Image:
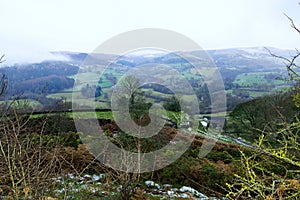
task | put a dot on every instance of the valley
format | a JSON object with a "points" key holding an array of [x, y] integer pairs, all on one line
{"points": [[246, 73], [43, 102]]}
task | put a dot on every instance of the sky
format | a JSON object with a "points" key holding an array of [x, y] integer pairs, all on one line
{"points": [[30, 29]]}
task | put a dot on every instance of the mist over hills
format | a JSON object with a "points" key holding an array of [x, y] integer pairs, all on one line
{"points": [[222, 57], [257, 57]]}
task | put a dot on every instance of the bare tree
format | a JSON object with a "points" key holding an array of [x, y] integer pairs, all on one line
{"points": [[3, 79]]}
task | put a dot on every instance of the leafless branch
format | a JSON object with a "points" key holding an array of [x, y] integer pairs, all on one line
{"points": [[293, 24], [1, 59], [290, 61]]}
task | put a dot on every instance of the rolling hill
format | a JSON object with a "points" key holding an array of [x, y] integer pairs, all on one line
{"points": [[246, 72]]}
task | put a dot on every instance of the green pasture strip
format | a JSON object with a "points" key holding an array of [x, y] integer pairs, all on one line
{"points": [[86, 77], [36, 116], [106, 84], [66, 95], [76, 88], [218, 114], [91, 115], [249, 79], [229, 91], [255, 78], [281, 88], [190, 75], [81, 115], [155, 93], [258, 94], [21, 103]]}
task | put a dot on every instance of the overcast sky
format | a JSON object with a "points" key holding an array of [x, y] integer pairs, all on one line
{"points": [[31, 26]]}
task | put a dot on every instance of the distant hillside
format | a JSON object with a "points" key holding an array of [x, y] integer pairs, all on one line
{"points": [[246, 72]]}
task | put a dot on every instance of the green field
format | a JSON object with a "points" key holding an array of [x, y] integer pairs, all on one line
{"points": [[22, 103], [90, 115], [86, 77], [64, 95], [255, 79], [258, 94], [67, 96], [155, 93], [189, 75], [106, 84]]}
